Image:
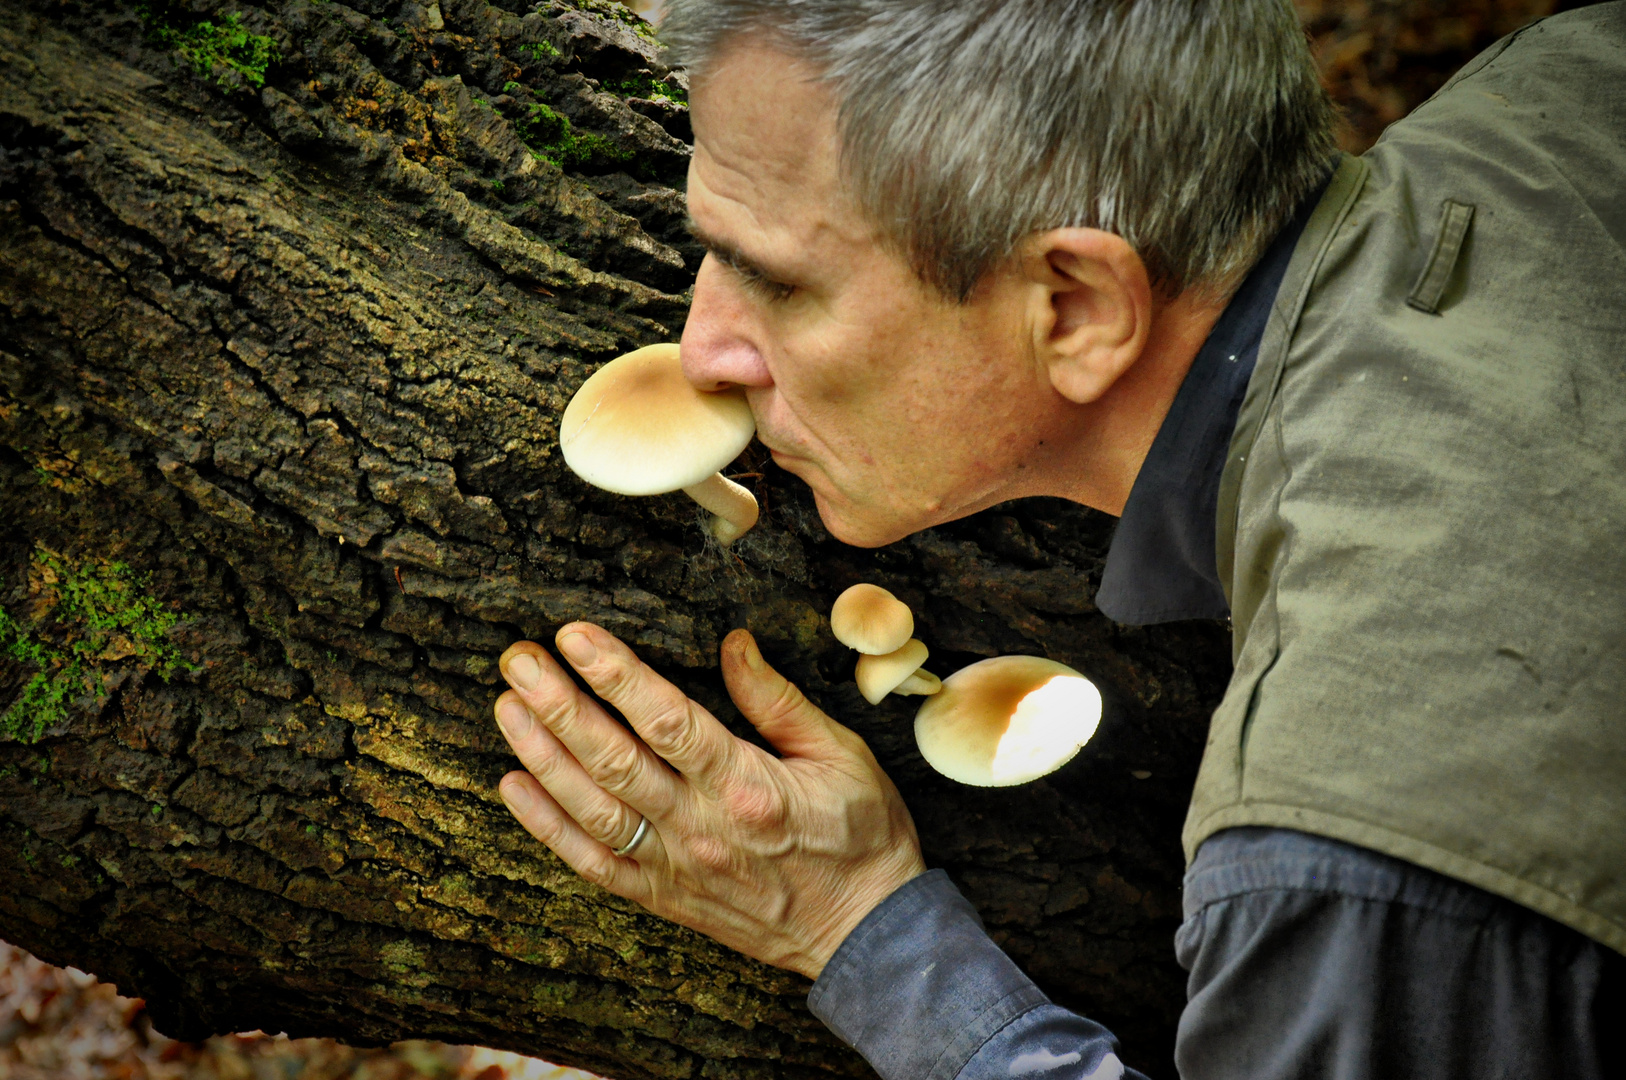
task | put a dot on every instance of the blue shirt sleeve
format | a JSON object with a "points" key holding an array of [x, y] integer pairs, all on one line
{"points": [[923, 993]]}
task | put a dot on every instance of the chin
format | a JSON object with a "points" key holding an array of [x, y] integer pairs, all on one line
{"points": [[854, 530]]}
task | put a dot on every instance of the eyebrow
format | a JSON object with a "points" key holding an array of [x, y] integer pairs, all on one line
{"points": [[729, 255]]}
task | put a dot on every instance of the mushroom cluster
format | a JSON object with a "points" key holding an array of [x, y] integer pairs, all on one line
{"points": [[638, 427], [996, 723], [881, 627]]}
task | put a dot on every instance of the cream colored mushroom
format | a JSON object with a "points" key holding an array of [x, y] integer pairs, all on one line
{"points": [[638, 427], [1007, 721], [897, 672], [870, 619]]}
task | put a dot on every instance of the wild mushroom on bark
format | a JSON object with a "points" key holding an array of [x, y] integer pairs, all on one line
{"points": [[897, 672], [868, 618], [638, 427], [1007, 721]]}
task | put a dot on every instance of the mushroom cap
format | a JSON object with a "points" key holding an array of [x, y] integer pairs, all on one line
{"points": [[1007, 720], [871, 620], [878, 676], [638, 427]]}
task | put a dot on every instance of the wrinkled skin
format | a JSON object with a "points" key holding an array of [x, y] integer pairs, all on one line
{"points": [[759, 852]]}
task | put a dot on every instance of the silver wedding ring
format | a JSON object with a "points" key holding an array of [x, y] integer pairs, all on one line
{"points": [[637, 838]]}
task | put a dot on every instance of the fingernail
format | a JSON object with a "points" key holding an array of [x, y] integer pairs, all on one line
{"points": [[515, 720], [753, 655], [523, 671], [578, 649], [515, 796]]}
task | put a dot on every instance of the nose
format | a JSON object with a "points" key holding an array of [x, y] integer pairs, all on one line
{"points": [[718, 345]]}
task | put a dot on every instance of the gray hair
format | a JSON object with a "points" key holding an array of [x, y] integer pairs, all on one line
{"points": [[1191, 128]]}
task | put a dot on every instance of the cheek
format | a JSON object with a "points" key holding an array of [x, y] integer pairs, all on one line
{"points": [[823, 378], [812, 408], [888, 383], [861, 355]]}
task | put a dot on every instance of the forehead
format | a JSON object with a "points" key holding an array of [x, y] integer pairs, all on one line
{"points": [[767, 155]]}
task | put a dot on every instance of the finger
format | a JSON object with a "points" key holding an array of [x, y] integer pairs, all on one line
{"points": [[616, 760], [680, 731], [603, 816], [794, 725], [546, 820]]}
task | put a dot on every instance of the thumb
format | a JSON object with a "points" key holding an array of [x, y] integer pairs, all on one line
{"points": [[791, 723]]}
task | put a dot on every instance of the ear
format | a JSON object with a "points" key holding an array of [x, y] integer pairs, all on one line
{"points": [[1092, 308]]}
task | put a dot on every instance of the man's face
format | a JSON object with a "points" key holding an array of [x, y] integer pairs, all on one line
{"points": [[899, 409]]}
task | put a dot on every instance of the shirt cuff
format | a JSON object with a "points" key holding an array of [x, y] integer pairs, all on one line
{"points": [[918, 987]]}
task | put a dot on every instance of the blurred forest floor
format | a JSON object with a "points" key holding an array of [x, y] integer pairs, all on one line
{"points": [[61, 1024], [1380, 58]]}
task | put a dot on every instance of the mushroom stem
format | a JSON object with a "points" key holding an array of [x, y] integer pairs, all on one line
{"points": [[878, 676], [735, 507], [920, 681]]}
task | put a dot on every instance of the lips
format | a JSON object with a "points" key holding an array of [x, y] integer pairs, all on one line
{"points": [[777, 453], [799, 467], [788, 462]]}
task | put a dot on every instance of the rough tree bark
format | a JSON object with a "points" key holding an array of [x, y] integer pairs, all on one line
{"points": [[297, 353]]}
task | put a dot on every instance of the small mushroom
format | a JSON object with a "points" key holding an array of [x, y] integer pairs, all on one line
{"points": [[1007, 721], [638, 427], [871, 620], [898, 672]]}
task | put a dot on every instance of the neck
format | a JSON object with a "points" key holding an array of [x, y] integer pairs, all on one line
{"points": [[1117, 429]]}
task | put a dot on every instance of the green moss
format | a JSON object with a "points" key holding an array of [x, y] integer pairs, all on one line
{"points": [[552, 138], [620, 12], [212, 49], [647, 86], [99, 609], [540, 51]]}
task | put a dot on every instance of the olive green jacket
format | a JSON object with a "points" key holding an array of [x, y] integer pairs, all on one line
{"points": [[1422, 521]]}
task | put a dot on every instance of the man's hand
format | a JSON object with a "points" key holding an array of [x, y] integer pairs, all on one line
{"points": [[779, 858]]}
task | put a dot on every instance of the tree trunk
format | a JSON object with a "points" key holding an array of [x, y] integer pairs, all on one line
{"points": [[295, 355]]}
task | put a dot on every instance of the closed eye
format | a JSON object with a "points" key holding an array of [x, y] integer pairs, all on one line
{"points": [[751, 275], [759, 283]]}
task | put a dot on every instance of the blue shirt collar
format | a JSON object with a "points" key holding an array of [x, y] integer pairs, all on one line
{"points": [[1161, 565]]}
